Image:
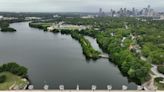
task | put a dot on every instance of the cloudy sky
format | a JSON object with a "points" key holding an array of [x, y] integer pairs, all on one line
{"points": [[75, 5]]}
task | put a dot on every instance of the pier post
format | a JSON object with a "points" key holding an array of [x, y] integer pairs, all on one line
{"points": [[124, 87], [109, 87], [93, 87], [77, 87], [30, 87], [61, 87], [46, 87], [139, 88]]}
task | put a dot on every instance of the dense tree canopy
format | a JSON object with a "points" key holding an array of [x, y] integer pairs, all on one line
{"points": [[2, 78], [14, 68], [126, 40]]}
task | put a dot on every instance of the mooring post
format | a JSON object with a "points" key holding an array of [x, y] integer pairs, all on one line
{"points": [[109, 87], [124, 87], [139, 88], [93, 87], [46, 87], [30, 87], [61, 87], [77, 87]]}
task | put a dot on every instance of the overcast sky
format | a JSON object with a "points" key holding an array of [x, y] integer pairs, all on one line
{"points": [[75, 5]]}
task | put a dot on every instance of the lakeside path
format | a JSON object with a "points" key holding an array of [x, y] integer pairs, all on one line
{"points": [[149, 85], [155, 71]]}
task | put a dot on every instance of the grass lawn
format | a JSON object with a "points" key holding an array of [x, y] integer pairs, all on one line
{"points": [[12, 81]]}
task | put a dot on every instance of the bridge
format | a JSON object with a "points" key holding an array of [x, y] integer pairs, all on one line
{"points": [[104, 56]]}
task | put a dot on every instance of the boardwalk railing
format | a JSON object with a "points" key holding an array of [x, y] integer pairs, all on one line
{"points": [[94, 88]]}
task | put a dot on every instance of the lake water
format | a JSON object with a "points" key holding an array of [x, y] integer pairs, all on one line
{"points": [[56, 59]]}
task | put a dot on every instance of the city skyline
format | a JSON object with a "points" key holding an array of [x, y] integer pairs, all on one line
{"points": [[76, 5], [145, 12]]}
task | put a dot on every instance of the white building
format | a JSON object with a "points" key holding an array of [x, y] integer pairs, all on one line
{"points": [[56, 16], [32, 18], [162, 17], [87, 17], [1, 17], [67, 26], [9, 18]]}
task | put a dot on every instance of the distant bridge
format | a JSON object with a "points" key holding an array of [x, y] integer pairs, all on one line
{"points": [[104, 56]]}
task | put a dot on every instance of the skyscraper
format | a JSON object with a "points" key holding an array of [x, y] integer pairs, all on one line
{"points": [[101, 13]]}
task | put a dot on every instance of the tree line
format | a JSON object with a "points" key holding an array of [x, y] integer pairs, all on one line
{"points": [[14, 68]]}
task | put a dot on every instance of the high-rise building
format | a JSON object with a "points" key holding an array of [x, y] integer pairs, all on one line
{"points": [[1, 17], [124, 12], [134, 12], [148, 7], [146, 12], [100, 12]]}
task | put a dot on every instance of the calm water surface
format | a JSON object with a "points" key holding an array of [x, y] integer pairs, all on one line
{"points": [[56, 59]]}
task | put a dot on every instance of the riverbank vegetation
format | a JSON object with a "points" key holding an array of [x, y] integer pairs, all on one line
{"points": [[2, 78], [12, 76], [159, 82], [14, 68], [4, 27], [8, 29], [109, 34], [88, 50], [160, 69], [133, 43], [40, 25], [3, 24], [12, 81]]}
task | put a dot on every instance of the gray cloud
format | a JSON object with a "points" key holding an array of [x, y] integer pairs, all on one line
{"points": [[75, 5]]}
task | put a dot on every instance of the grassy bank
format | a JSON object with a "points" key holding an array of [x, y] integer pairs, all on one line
{"points": [[12, 76], [12, 81]]}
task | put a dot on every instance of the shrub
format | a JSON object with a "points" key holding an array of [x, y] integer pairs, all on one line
{"points": [[161, 69], [8, 30], [2, 78], [14, 68]]}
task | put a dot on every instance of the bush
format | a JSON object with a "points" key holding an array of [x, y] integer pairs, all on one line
{"points": [[8, 29], [14, 68], [2, 78], [161, 69]]}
